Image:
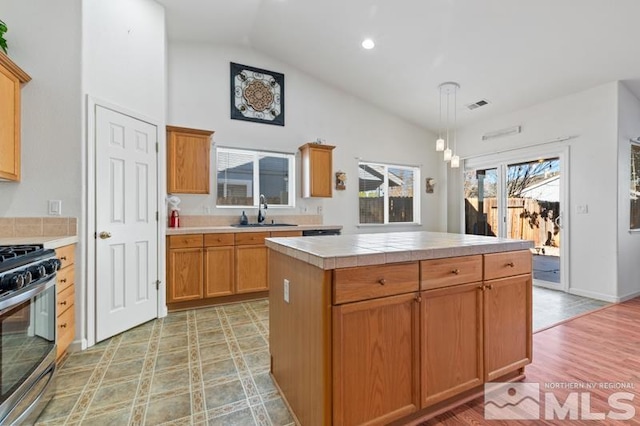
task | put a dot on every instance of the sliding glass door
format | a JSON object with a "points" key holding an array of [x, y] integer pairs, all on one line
{"points": [[520, 200]]}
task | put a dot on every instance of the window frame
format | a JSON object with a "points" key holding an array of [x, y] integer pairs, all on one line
{"points": [[255, 153], [417, 217]]}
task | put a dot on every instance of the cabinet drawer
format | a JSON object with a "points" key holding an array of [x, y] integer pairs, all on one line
{"points": [[450, 271], [65, 277], [369, 282], [216, 240], [65, 330], [65, 299], [66, 255], [251, 238], [499, 265], [185, 241]]}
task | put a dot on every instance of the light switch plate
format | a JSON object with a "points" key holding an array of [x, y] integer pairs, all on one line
{"points": [[582, 209], [286, 290], [55, 207]]}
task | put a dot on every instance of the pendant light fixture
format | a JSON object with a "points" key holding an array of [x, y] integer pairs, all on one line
{"points": [[450, 89], [440, 141]]}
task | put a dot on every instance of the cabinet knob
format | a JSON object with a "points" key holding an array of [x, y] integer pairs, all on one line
{"points": [[418, 298], [63, 303], [455, 271], [489, 287], [63, 257], [510, 264], [382, 281], [63, 280], [64, 325]]}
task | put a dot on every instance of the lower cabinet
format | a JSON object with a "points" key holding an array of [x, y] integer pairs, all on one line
{"points": [[206, 266], [375, 360], [507, 325], [65, 299], [452, 344]]}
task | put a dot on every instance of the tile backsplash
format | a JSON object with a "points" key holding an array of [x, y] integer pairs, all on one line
{"points": [[38, 226], [192, 221]]}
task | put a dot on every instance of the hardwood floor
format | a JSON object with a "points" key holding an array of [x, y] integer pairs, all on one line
{"points": [[600, 349]]}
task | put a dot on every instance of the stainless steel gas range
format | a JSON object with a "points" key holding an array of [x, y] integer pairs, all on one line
{"points": [[27, 331]]}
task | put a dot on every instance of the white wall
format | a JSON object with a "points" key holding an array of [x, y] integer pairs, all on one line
{"points": [[628, 243], [44, 40], [592, 115], [124, 64], [199, 97]]}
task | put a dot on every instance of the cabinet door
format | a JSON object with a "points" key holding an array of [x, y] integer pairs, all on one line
{"points": [[218, 271], [9, 126], [320, 172], [185, 275], [451, 341], [188, 161], [375, 360], [507, 325], [251, 269]]}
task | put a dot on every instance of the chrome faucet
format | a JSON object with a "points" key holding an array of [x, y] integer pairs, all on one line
{"points": [[262, 215]]}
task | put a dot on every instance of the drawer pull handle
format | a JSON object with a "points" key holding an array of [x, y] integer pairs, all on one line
{"points": [[63, 257], [382, 281], [63, 303], [510, 264], [63, 280], [63, 325], [455, 271]]}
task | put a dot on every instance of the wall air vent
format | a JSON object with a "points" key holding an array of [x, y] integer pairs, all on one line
{"points": [[475, 105]]}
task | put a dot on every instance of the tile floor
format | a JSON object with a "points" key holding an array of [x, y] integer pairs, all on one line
{"points": [[552, 306], [202, 367], [206, 366]]}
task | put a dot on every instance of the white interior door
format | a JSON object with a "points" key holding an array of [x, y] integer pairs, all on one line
{"points": [[126, 224]]}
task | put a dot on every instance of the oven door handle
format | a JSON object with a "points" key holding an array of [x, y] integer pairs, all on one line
{"points": [[26, 294]]}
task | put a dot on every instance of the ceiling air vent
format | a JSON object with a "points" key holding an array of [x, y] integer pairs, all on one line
{"points": [[480, 103]]}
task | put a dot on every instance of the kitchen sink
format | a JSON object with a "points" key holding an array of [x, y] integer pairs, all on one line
{"points": [[262, 225]]}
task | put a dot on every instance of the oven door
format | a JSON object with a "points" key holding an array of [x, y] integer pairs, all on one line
{"points": [[27, 350]]}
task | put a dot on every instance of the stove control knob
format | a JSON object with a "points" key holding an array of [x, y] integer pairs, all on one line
{"points": [[13, 281], [37, 271], [57, 263], [50, 266]]}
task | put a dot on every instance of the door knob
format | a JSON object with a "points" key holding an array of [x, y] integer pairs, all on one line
{"points": [[104, 235]]}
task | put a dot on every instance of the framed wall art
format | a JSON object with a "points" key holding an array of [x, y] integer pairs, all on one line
{"points": [[257, 95]]}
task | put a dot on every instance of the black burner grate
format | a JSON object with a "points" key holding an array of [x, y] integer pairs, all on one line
{"points": [[13, 252]]}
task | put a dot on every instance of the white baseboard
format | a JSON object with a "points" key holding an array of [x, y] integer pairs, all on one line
{"points": [[594, 295]]}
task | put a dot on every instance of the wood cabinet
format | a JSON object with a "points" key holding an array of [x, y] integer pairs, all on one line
{"points": [[219, 261], [401, 338], [65, 299], [317, 169], [251, 262], [204, 267], [188, 158], [375, 360], [11, 78], [452, 341], [507, 325]]}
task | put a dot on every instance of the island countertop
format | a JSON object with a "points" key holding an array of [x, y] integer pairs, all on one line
{"points": [[343, 251]]}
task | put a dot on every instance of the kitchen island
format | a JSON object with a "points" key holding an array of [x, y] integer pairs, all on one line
{"points": [[392, 328]]}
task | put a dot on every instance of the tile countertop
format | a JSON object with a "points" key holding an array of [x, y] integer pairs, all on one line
{"points": [[48, 242], [227, 229], [342, 251]]}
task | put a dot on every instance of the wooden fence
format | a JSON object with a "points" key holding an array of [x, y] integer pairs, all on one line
{"points": [[400, 210], [529, 219]]}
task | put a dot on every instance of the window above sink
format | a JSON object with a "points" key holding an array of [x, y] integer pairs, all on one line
{"points": [[242, 175]]}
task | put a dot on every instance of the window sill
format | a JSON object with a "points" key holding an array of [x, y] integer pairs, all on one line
{"points": [[387, 225]]}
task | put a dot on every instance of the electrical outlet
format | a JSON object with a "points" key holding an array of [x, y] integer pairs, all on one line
{"points": [[286, 290], [55, 207]]}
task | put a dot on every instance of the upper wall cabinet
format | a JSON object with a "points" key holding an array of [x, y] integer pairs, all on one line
{"points": [[11, 77], [317, 164], [188, 160]]}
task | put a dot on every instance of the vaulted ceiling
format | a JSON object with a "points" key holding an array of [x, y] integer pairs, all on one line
{"points": [[513, 53]]}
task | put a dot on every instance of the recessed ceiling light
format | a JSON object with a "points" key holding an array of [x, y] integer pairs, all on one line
{"points": [[368, 44]]}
